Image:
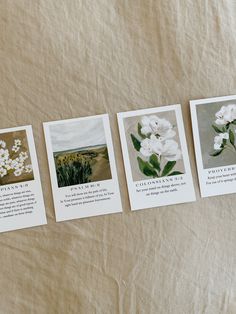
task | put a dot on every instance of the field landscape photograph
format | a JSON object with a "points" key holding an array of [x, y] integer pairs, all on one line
{"points": [[80, 152]]}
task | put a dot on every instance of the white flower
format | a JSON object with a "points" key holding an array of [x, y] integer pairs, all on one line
{"points": [[16, 164], [15, 148], [150, 145], [23, 156], [17, 142], [226, 114], [18, 172], [218, 140], [3, 172], [168, 149], [4, 154], [2, 162], [28, 169], [2, 144], [8, 164], [171, 150], [157, 126]]}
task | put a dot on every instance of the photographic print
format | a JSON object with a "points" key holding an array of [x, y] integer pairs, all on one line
{"points": [[156, 157], [154, 140], [217, 126], [21, 197], [82, 167], [15, 161], [80, 152], [214, 127]]}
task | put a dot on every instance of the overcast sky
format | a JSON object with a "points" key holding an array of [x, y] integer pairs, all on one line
{"points": [[77, 134]]}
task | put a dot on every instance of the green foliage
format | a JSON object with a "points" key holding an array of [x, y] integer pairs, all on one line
{"points": [[146, 168], [218, 130], [168, 167], [231, 137], [139, 131], [155, 162], [216, 152], [174, 173], [73, 173], [136, 142]]}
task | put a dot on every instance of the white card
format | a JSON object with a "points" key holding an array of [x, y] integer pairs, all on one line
{"points": [[82, 167], [21, 198], [214, 127], [156, 157]]}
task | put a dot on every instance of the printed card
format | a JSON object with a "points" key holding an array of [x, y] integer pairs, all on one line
{"points": [[214, 127], [82, 167], [21, 198], [156, 157]]}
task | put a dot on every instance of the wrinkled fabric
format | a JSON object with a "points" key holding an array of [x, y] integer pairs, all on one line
{"points": [[63, 59]]}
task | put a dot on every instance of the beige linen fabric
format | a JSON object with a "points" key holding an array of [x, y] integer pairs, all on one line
{"points": [[63, 59]]}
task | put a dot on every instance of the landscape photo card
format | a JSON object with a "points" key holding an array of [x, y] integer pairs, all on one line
{"points": [[156, 157], [21, 198], [214, 127], [82, 167]]}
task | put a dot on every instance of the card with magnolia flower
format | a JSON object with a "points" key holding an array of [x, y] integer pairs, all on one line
{"points": [[156, 157], [153, 145]]}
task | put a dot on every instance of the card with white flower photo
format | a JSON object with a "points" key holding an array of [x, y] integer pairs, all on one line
{"points": [[82, 167], [155, 157], [214, 127], [21, 198]]}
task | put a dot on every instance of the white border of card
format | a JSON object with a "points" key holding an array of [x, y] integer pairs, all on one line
{"points": [[172, 190], [70, 201], [29, 211], [208, 176]]}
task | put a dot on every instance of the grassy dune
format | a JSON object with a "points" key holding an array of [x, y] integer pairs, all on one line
{"points": [[82, 166]]}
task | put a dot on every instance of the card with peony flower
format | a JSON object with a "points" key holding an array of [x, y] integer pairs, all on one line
{"points": [[214, 130], [153, 141], [21, 197]]}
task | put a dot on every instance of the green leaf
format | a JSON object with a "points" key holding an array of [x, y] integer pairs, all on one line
{"points": [[136, 142], [231, 137], [174, 173], [234, 122], [217, 129], [155, 162], [224, 142], [146, 168], [168, 167], [139, 131], [216, 152]]}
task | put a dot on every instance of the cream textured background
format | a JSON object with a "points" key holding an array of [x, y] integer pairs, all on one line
{"points": [[69, 58]]}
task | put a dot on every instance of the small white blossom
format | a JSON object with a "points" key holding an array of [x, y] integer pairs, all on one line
{"points": [[2, 144], [17, 142], [18, 172], [3, 172], [4, 154], [23, 156], [8, 164], [218, 140], [15, 148], [28, 168], [226, 114]]}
